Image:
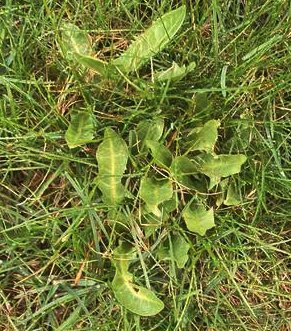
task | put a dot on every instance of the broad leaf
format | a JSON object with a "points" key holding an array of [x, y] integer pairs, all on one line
{"points": [[183, 169], [155, 191], [152, 41], [172, 204], [74, 40], [198, 219], [180, 250], [232, 196], [99, 66], [137, 299], [81, 129], [222, 188], [112, 155], [175, 72], [161, 155], [219, 166], [149, 130], [205, 137]]}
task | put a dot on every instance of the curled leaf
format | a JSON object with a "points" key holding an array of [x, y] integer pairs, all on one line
{"points": [[175, 72], [137, 299]]}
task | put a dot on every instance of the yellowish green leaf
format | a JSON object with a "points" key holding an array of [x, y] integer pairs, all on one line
{"points": [[137, 299], [81, 129], [161, 155], [155, 191], [204, 138], [219, 166], [112, 156], [198, 219], [152, 41]]}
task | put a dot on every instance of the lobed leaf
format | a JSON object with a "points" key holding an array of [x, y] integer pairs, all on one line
{"points": [[152, 41], [219, 166], [204, 138], [81, 129], [198, 219], [155, 191]]}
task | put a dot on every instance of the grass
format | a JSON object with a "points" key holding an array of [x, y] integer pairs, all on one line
{"points": [[56, 242]]}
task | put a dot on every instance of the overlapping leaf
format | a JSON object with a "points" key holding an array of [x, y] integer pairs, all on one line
{"points": [[222, 165], [183, 169], [149, 130], [161, 155], [155, 191]]}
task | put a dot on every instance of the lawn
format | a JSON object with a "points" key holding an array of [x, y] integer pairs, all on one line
{"points": [[150, 191]]}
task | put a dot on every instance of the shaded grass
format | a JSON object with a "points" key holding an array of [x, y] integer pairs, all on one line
{"points": [[53, 227]]}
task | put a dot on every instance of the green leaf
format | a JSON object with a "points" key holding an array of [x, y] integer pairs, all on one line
{"points": [[112, 156], [204, 138], [198, 219], [155, 191], [232, 196], [137, 299], [175, 72], [161, 155], [151, 222], [81, 129], [172, 204], [219, 166], [152, 41], [182, 169], [101, 67], [74, 40], [221, 192], [149, 130], [180, 250]]}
